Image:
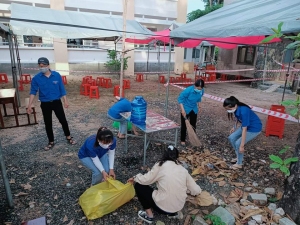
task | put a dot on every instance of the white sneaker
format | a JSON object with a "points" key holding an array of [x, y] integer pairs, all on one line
{"points": [[178, 215], [143, 215]]}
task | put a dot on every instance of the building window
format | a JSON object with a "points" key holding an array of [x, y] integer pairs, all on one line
{"points": [[196, 53], [185, 50], [246, 55]]}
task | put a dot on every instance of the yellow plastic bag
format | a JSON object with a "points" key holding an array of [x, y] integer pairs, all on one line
{"points": [[105, 198]]}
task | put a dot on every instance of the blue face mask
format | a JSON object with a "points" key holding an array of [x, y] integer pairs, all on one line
{"points": [[197, 90]]}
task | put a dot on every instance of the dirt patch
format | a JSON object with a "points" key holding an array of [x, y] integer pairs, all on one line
{"points": [[49, 172]]}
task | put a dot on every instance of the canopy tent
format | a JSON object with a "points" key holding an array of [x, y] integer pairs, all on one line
{"points": [[244, 18], [225, 42], [29, 20]]}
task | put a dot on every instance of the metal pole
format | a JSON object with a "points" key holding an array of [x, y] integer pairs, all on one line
{"points": [[287, 75], [123, 46], [13, 67], [265, 64], [169, 72], [5, 180], [147, 61], [158, 57]]}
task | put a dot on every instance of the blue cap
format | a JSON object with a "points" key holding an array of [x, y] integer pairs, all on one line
{"points": [[43, 60]]}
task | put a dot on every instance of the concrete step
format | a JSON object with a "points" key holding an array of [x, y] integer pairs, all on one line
{"points": [[272, 88]]}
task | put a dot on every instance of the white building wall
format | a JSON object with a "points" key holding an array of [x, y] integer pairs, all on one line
{"points": [[31, 54]]}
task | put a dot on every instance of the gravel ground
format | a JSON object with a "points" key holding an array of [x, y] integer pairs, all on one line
{"points": [[43, 175]]}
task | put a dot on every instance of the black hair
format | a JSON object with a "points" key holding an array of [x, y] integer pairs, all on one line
{"points": [[232, 102], [170, 154], [104, 135], [199, 83]]}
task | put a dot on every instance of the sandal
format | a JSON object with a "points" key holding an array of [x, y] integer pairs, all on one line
{"points": [[234, 160], [236, 167], [49, 146], [121, 136], [71, 141]]}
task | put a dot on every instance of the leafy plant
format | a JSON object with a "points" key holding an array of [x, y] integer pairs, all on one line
{"points": [[214, 219], [114, 62], [294, 45], [293, 107], [282, 164]]}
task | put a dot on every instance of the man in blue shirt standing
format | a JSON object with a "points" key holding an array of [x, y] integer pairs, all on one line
{"points": [[51, 89]]}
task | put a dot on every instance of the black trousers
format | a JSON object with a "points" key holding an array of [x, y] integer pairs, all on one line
{"points": [[57, 107], [192, 116], [144, 194]]}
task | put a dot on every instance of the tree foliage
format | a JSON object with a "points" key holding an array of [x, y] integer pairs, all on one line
{"points": [[114, 62], [210, 3], [198, 13]]}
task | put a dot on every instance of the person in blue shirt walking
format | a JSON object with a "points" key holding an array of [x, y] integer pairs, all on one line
{"points": [[98, 154], [251, 127], [51, 89], [123, 105], [189, 101]]}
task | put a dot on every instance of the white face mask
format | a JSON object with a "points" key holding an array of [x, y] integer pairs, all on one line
{"points": [[105, 146], [44, 69], [231, 110]]}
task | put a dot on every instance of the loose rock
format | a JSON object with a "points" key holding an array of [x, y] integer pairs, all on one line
{"points": [[272, 207], [225, 216], [257, 218], [280, 211], [258, 199], [270, 191], [286, 221], [199, 221]]}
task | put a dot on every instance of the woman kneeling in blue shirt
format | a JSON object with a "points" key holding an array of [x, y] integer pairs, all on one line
{"points": [[98, 154], [250, 128]]}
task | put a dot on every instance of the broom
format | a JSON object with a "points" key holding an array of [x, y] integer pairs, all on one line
{"points": [[193, 138]]}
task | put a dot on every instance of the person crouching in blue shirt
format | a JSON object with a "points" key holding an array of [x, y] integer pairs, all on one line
{"points": [[189, 101], [98, 154], [51, 89], [250, 128], [123, 105]]}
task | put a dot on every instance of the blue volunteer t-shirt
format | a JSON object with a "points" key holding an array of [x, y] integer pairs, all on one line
{"points": [[248, 119], [123, 105], [89, 150], [189, 99], [49, 88]]}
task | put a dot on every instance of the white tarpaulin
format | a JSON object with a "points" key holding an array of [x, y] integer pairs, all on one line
{"points": [[36, 21], [244, 18]]}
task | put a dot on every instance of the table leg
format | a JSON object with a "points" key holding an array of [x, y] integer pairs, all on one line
{"points": [[16, 103], [15, 113], [126, 143], [145, 147], [1, 119], [4, 108], [176, 136]]}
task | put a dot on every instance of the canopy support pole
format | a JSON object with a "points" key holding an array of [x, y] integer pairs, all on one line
{"points": [[168, 80], [5, 180], [148, 61], [13, 67], [123, 46], [158, 59]]}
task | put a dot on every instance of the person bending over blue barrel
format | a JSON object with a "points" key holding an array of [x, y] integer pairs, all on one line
{"points": [[250, 128], [123, 105]]}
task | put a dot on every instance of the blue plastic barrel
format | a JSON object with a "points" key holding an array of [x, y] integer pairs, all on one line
{"points": [[138, 111]]}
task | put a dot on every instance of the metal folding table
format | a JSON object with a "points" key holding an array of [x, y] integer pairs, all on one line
{"points": [[154, 123]]}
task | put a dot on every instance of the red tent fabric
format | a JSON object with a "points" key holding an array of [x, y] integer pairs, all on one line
{"points": [[226, 43]]}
